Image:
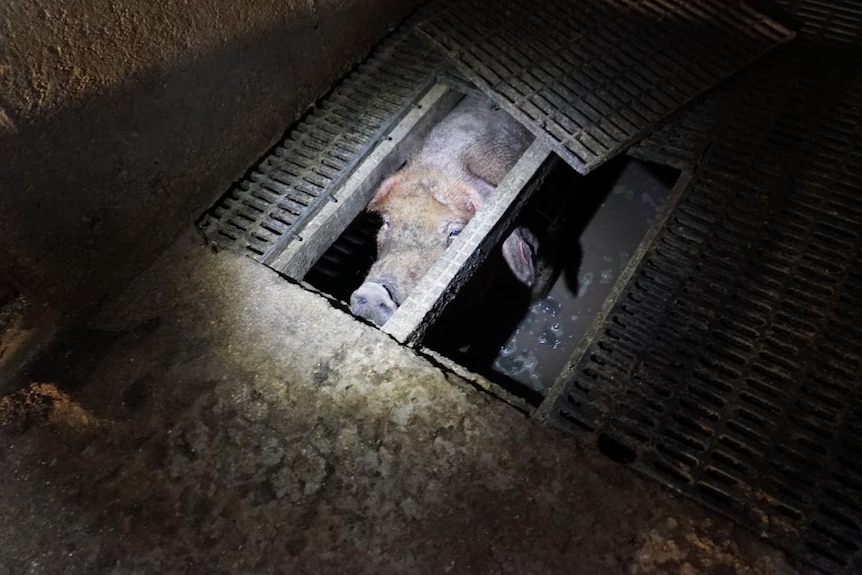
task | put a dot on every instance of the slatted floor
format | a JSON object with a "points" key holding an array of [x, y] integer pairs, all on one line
{"points": [[593, 76], [731, 366], [267, 209], [592, 97], [828, 20]]}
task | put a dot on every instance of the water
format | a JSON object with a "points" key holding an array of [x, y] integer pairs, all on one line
{"points": [[541, 344]]}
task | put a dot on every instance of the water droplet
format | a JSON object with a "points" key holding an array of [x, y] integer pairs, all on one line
{"points": [[585, 280], [551, 307], [510, 346], [514, 365], [625, 191], [549, 339]]}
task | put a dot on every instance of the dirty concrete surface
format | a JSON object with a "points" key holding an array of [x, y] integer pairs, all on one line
{"points": [[122, 121], [215, 418]]}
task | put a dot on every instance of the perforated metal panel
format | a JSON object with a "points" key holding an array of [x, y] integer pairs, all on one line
{"points": [[682, 141], [597, 74], [593, 76], [266, 210], [830, 20], [730, 367]]}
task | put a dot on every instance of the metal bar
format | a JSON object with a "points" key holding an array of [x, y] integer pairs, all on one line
{"points": [[389, 154], [441, 283]]}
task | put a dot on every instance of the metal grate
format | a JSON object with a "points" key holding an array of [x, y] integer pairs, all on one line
{"points": [[681, 142], [267, 209], [595, 75], [834, 20], [730, 366]]}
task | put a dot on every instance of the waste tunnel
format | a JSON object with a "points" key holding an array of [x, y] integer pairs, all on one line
{"points": [[593, 226], [699, 160], [704, 327]]}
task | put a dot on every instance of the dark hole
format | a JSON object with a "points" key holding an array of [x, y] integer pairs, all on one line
{"points": [[616, 450], [345, 264], [588, 228]]}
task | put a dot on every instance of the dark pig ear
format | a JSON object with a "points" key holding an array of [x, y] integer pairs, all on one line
{"points": [[383, 191], [519, 251]]}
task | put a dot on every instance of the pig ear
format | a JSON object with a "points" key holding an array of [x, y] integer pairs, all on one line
{"points": [[519, 251], [471, 197], [383, 191]]}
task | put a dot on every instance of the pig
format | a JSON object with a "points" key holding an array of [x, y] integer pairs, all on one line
{"points": [[426, 204]]}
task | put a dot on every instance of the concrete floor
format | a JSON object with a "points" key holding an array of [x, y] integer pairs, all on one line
{"points": [[216, 419]]}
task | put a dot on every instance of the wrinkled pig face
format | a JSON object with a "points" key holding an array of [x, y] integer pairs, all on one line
{"points": [[422, 213]]}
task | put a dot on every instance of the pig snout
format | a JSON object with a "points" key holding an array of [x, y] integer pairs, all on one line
{"points": [[373, 301]]}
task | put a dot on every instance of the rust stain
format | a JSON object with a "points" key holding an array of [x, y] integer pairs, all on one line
{"points": [[42, 403]]}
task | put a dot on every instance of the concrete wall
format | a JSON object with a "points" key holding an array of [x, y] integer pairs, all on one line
{"points": [[121, 121]]}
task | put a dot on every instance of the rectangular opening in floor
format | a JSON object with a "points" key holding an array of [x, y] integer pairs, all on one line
{"points": [[587, 228], [590, 227], [431, 180]]}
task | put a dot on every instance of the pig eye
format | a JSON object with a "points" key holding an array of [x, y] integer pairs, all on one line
{"points": [[386, 223], [452, 235]]}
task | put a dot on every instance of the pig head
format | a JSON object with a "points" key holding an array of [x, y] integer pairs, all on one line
{"points": [[424, 209]]}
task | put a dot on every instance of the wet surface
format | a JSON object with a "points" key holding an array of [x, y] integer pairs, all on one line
{"points": [[539, 347], [591, 227]]}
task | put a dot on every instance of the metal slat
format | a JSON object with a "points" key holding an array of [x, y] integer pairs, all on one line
{"points": [[265, 212], [622, 67], [738, 323]]}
